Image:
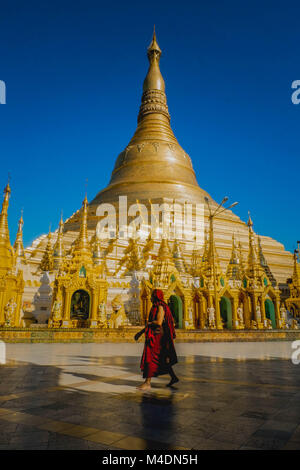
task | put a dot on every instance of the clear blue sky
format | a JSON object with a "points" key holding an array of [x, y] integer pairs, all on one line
{"points": [[74, 72]]}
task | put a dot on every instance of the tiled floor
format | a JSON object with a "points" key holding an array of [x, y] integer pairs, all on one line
{"points": [[83, 396]]}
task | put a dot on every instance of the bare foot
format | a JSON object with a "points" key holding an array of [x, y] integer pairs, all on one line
{"points": [[144, 386]]}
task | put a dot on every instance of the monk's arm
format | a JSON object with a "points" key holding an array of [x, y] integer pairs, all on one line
{"points": [[160, 317]]}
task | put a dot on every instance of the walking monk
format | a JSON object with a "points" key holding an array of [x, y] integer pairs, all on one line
{"points": [[159, 352]]}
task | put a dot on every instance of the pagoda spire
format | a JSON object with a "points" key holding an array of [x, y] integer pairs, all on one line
{"points": [[47, 260], [154, 98], [264, 264], [252, 255], [164, 253], [18, 245], [4, 232], [164, 265], [211, 259], [234, 270], [6, 250], [254, 269], [82, 242], [58, 249]]}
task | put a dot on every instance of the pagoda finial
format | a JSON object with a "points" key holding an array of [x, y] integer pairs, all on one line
{"points": [[154, 49], [154, 98], [18, 245], [249, 223]]}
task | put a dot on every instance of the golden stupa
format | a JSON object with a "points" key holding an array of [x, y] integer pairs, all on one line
{"points": [[232, 273]]}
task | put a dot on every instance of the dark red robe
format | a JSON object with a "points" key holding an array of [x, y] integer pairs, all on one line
{"points": [[159, 351]]}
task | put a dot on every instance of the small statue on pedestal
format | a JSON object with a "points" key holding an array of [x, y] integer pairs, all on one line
{"points": [[9, 312], [189, 323], [240, 316], [211, 318], [102, 320]]}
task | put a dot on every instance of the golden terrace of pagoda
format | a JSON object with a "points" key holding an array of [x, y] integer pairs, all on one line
{"points": [[73, 278]]}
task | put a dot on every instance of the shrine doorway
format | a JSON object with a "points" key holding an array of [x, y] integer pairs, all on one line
{"points": [[175, 304], [226, 312], [80, 305], [270, 312]]}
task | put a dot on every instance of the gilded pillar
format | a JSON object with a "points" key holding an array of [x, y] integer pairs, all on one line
{"points": [[218, 315], [235, 323], [253, 307], [18, 310], [203, 312], [263, 311], [93, 313], [277, 312], [67, 309], [247, 310]]}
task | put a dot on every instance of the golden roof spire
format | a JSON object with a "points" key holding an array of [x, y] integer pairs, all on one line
{"points": [[234, 268], [234, 254], [58, 249], [164, 252], [264, 263], [211, 256], [164, 265], [83, 240], [154, 98], [47, 260], [4, 232], [252, 255], [6, 250], [18, 245]]}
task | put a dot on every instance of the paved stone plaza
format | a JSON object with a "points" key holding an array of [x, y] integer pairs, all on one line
{"points": [[83, 396]]}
